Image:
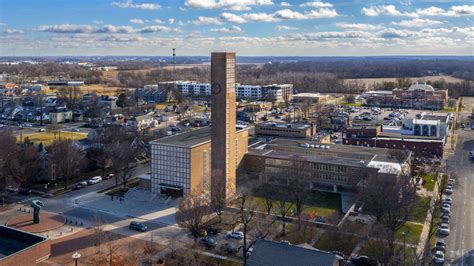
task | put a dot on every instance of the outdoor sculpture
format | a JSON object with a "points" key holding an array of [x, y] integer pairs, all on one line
{"points": [[36, 205]]}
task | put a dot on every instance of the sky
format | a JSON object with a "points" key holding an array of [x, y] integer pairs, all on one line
{"points": [[247, 27]]}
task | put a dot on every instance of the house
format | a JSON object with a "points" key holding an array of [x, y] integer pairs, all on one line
{"points": [[270, 253], [109, 102], [60, 115], [141, 122]]}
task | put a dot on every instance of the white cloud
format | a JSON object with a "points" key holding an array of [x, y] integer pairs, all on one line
{"points": [[207, 20], [158, 21], [72, 28], [232, 29], [389, 10], [12, 31], [226, 4], [283, 27], [358, 26], [285, 4], [316, 4], [417, 22], [171, 20], [2, 24], [394, 33], [454, 11], [137, 21], [284, 14], [131, 4]]}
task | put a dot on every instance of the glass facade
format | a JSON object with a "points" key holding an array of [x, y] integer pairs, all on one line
{"points": [[170, 166]]}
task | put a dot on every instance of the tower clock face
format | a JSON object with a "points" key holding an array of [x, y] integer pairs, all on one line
{"points": [[216, 88]]}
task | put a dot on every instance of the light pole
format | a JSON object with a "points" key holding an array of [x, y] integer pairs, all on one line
{"points": [[404, 240], [76, 256]]}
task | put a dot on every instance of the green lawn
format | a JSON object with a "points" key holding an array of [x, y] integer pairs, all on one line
{"points": [[447, 109], [412, 233], [319, 204], [429, 181], [420, 210]]}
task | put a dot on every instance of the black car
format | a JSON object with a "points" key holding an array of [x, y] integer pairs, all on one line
{"points": [[213, 231], [228, 248], [208, 242], [137, 226], [24, 190]]}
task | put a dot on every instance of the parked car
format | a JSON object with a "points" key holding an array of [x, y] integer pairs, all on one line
{"points": [[208, 242], [438, 257], [446, 207], [137, 226], [228, 248], [451, 181], [445, 219], [24, 190], [320, 219], [360, 260], [235, 235], [448, 191], [448, 200], [94, 180], [82, 184], [109, 176], [213, 230], [444, 229], [11, 189], [440, 243]]}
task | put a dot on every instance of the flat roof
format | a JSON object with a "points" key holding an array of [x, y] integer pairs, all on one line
{"points": [[189, 139], [284, 125], [440, 117], [325, 153], [13, 241]]}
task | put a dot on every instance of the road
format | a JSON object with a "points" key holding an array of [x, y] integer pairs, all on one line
{"points": [[460, 242]]}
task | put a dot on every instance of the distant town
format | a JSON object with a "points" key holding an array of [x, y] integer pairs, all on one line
{"points": [[219, 164]]}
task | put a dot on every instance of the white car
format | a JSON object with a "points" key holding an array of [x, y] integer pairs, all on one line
{"points": [[444, 229], [94, 180], [235, 234], [438, 257]]}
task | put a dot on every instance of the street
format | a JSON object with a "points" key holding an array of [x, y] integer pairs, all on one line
{"points": [[460, 242]]}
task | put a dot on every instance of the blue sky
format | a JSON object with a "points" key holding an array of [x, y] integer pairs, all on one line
{"points": [[248, 27]]}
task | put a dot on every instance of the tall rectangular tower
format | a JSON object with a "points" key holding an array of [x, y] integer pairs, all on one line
{"points": [[223, 140]]}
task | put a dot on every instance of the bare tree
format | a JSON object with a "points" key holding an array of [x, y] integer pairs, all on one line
{"points": [[285, 207], [66, 160], [53, 128], [267, 193], [390, 202], [111, 247], [192, 213], [98, 231], [349, 98], [298, 190], [122, 156], [71, 96], [219, 197]]}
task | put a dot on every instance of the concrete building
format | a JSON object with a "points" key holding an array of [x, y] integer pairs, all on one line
{"points": [[157, 93], [181, 164], [292, 130], [333, 168], [224, 143], [281, 92]]}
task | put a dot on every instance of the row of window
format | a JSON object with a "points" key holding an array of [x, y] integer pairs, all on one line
{"points": [[307, 165]]}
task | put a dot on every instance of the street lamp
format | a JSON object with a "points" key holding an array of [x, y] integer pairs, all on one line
{"points": [[76, 256]]}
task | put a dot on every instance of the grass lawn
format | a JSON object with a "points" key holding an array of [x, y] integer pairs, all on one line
{"points": [[420, 210], [332, 240], [198, 108], [294, 235], [319, 204], [447, 109], [412, 233], [430, 181], [47, 138], [120, 190]]}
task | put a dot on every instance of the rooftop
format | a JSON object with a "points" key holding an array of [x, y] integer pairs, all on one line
{"points": [[13, 240], [271, 253], [188, 139], [284, 125], [326, 153]]}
